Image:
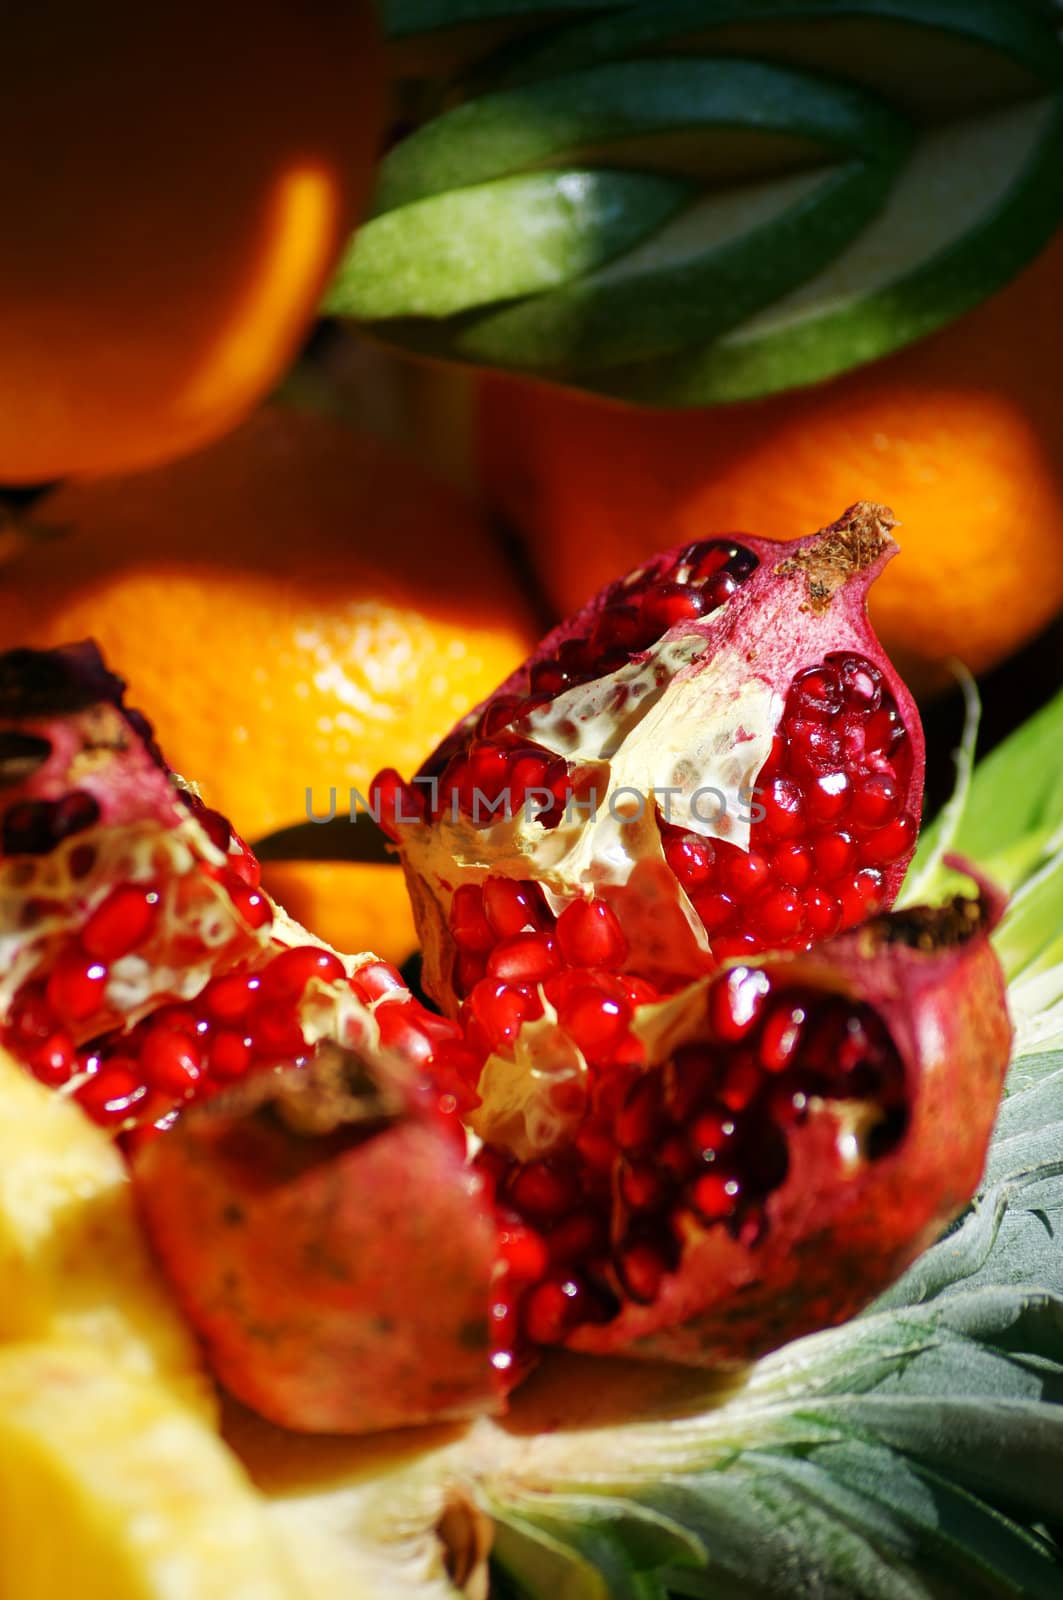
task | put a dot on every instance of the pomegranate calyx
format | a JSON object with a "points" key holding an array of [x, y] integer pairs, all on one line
{"points": [[858, 542]]}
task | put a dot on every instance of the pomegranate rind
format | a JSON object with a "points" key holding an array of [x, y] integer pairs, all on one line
{"points": [[695, 713], [843, 1226]]}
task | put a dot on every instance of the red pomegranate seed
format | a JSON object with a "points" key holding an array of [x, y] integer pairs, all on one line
{"points": [[527, 773], [499, 714], [31, 1017], [594, 1021], [833, 854], [715, 910], [378, 980], [817, 692], [403, 1030], [641, 1271], [640, 1118], [54, 1061], [394, 803], [512, 907], [736, 945], [230, 998], [883, 733], [861, 682], [826, 797], [688, 1076], [642, 1186], [741, 1081], [778, 915], [715, 1196], [216, 827], [590, 935], [823, 914], [668, 604], [745, 874], [523, 1252], [580, 1237], [792, 864], [860, 897], [121, 923], [500, 1009], [813, 747], [525, 958], [691, 858], [876, 800], [553, 1309], [780, 1036], [710, 1133], [76, 985], [287, 975], [170, 1062], [114, 1093], [544, 1192], [469, 968], [276, 1032], [595, 1147], [784, 813], [736, 1001], [230, 1055], [888, 843], [470, 927]]}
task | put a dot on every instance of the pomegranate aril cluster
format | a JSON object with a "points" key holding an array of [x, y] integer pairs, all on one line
{"points": [[697, 1143], [481, 770], [832, 793]]}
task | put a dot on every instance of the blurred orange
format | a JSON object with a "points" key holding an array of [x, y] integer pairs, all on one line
{"points": [[962, 435], [294, 608], [177, 182]]}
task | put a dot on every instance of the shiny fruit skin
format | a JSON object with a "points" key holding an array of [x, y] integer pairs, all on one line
{"points": [[178, 183]]}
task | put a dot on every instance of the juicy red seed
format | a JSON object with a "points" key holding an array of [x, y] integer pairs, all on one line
{"points": [[470, 927], [640, 1118], [823, 914], [827, 796], [595, 1147], [230, 998], [720, 589], [642, 1186], [170, 1062], [404, 1032], [549, 678], [395, 803], [710, 1132], [668, 604], [287, 975], [860, 897], [780, 1036], [499, 714], [861, 682], [675, 1157], [230, 1054], [792, 864], [523, 1252], [527, 774], [595, 1022], [784, 812], [122, 922], [578, 1238], [553, 1309], [500, 1009], [276, 1032], [641, 1269], [114, 1093], [741, 1081], [745, 874], [512, 907], [889, 843], [715, 910], [246, 867], [688, 1076], [376, 980], [715, 1195], [814, 747], [544, 1192], [778, 915], [53, 1062], [590, 935], [31, 1017], [504, 1323], [250, 903], [876, 800], [525, 958], [736, 1001], [738, 946], [74, 813], [469, 968], [817, 691], [833, 854], [76, 986], [217, 828], [691, 858]]}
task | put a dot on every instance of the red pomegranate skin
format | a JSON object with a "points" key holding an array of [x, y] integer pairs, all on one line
{"points": [[340, 1281]]}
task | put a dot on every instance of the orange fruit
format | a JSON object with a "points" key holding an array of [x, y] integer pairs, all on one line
{"points": [[962, 435], [294, 608], [178, 179]]}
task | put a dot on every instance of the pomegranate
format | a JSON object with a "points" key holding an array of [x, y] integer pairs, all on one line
{"points": [[325, 1235], [711, 759], [117, 885]]}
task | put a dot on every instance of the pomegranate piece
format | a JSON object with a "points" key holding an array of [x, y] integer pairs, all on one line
{"points": [[713, 758], [786, 1139], [330, 1246], [118, 889]]}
